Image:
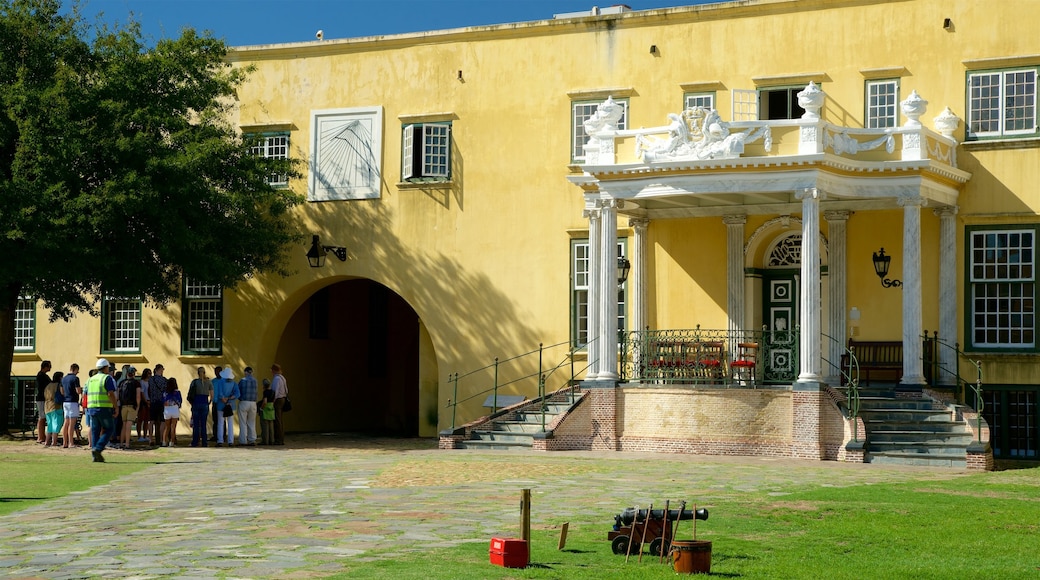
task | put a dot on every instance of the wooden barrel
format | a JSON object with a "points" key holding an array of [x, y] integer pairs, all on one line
{"points": [[691, 556]]}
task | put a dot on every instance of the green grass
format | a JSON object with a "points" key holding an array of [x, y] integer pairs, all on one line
{"points": [[981, 526], [30, 478]]}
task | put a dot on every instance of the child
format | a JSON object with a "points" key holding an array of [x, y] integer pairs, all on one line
{"points": [[267, 415], [171, 413]]}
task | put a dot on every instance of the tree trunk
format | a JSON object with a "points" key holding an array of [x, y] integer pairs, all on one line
{"points": [[8, 303]]}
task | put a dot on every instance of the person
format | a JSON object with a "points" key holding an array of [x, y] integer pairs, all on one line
{"points": [[171, 406], [129, 402], [281, 392], [225, 392], [118, 376], [267, 415], [42, 380], [52, 410], [199, 394], [213, 410], [72, 391], [143, 410], [101, 401], [247, 391], [156, 393]]}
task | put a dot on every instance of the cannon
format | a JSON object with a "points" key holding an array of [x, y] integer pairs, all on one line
{"points": [[640, 526]]}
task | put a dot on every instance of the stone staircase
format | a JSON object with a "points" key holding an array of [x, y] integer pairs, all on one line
{"points": [[518, 428], [912, 431]]}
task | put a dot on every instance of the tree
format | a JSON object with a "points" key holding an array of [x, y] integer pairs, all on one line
{"points": [[120, 172]]}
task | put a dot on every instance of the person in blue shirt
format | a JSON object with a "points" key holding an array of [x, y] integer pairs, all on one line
{"points": [[247, 397], [225, 393]]}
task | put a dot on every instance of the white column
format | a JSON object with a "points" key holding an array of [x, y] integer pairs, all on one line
{"points": [[735, 277], [811, 306], [836, 280], [913, 323], [637, 281], [608, 318], [638, 277], [947, 299], [592, 350]]}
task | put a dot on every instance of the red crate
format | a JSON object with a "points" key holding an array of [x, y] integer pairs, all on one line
{"points": [[509, 552]]}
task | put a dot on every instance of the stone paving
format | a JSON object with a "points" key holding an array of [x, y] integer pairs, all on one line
{"points": [[311, 508]]}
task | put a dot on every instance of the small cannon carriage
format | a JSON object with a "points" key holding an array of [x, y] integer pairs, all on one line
{"points": [[635, 527]]}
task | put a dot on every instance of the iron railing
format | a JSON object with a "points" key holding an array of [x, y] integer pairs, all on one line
{"points": [[525, 375], [961, 384], [847, 367], [704, 356]]}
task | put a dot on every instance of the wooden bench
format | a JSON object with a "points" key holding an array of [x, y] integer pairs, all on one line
{"points": [[876, 357]]}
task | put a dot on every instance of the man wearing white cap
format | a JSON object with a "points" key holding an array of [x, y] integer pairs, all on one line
{"points": [[225, 393], [101, 401]]}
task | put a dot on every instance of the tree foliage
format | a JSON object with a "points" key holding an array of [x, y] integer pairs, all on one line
{"points": [[120, 172]]}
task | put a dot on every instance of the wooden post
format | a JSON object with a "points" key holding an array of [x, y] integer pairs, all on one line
{"points": [[525, 520]]}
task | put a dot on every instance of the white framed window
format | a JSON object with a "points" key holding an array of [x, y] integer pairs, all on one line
{"points": [[581, 111], [25, 324], [1002, 288], [121, 331], [694, 100], [1002, 103], [203, 316], [426, 152], [580, 291], [272, 146], [779, 103], [882, 100]]}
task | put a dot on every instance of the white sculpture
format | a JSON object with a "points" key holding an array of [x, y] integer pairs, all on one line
{"points": [[697, 133]]}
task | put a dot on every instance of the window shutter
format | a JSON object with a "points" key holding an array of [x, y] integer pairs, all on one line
{"points": [[744, 104], [408, 153]]}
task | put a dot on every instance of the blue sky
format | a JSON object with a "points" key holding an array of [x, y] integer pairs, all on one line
{"points": [[248, 22]]}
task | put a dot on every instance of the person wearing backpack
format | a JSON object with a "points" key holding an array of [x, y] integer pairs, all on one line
{"points": [[129, 400], [72, 391], [53, 410]]}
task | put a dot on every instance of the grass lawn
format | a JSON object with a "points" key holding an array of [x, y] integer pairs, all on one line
{"points": [[978, 526], [29, 478]]}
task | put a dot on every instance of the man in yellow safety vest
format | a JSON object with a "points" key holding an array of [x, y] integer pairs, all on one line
{"points": [[101, 404]]}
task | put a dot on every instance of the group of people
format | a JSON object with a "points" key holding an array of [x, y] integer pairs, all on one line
{"points": [[114, 402]]}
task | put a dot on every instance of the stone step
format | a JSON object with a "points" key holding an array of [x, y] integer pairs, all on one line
{"points": [[961, 439], [887, 403], [922, 459], [904, 414], [945, 426], [502, 436], [917, 448], [520, 426]]}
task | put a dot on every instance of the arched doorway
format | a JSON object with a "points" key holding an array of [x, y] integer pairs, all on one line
{"points": [[352, 355]]}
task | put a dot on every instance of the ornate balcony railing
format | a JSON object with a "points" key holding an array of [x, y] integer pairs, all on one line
{"points": [[746, 358]]}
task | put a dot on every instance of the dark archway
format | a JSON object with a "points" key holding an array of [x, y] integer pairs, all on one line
{"points": [[351, 354]]}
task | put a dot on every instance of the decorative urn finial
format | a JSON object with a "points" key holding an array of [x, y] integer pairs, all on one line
{"points": [[811, 99], [913, 107], [946, 123]]}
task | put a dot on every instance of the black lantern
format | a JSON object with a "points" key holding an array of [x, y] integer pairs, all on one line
{"points": [[316, 255], [881, 264], [623, 267]]}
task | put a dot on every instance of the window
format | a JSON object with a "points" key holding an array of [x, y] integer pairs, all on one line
{"points": [[203, 313], [779, 103], [1014, 422], [1002, 288], [272, 146], [694, 100], [25, 324], [582, 111], [121, 332], [882, 100], [426, 154], [1002, 103], [580, 292]]}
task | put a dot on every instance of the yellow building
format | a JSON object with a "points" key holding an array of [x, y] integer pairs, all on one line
{"points": [[750, 161]]}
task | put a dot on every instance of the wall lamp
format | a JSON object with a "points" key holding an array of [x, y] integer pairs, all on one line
{"points": [[623, 268], [316, 255], [881, 263]]}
